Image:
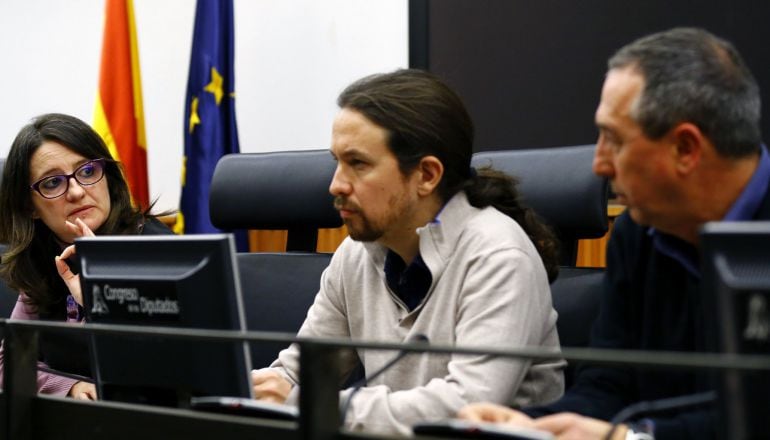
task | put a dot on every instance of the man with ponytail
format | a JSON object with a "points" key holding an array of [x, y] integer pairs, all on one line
{"points": [[436, 249]]}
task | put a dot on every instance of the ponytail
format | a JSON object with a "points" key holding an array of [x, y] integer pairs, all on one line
{"points": [[489, 187]]}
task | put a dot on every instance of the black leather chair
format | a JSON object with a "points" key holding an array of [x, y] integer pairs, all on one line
{"points": [[283, 190], [576, 295], [560, 186], [278, 289], [8, 296]]}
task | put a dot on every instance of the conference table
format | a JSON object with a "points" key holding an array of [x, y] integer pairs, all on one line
{"points": [[24, 414]]}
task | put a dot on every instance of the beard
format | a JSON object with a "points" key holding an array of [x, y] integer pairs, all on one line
{"points": [[362, 227]]}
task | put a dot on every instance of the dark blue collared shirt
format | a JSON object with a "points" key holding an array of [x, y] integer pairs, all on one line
{"points": [[744, 208], [409, 283]]}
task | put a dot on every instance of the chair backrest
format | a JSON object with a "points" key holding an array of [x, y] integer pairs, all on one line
{"points": [[281, 190], [576, 294], [8, 296], [559, 184], [278, 289]]}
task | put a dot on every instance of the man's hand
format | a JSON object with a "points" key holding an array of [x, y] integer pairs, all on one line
{"points": [[83, 391], [270, 386], [565, 426], [489, 412], [80, 229], [568, 426]]}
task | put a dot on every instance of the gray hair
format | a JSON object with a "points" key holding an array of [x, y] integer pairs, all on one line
{"points": [[693, 76]]}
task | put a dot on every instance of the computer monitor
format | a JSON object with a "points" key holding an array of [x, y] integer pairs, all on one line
{"points": [[736, 290], [186, 281]]}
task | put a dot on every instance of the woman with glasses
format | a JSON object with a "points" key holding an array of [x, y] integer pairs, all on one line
{"points": [[60, 182]]}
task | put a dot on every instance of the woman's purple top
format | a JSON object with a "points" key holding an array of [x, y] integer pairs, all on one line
{"points": [[47, 383]]}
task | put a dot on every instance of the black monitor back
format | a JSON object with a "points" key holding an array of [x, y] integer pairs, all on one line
{"points": [[177, 281], [736, 291]]}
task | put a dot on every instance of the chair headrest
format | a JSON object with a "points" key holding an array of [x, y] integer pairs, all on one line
{"points": [[281, 190], [559, 184]]}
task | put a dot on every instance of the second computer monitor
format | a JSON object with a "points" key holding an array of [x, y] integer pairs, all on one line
{"points": [[736, 294]]}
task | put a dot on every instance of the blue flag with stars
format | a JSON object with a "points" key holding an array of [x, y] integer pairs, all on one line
{"points": [[210, 129]]}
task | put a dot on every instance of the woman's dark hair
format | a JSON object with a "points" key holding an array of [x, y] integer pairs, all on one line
{"points": [[424, 117], [28, 264]]}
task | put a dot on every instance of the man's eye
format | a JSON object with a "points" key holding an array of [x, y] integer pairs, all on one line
{"points": [[612, 140]]}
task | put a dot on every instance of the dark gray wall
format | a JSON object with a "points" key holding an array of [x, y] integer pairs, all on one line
{"points": [[530, 71]]}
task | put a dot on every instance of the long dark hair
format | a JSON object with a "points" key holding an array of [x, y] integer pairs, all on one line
{"points": [[28, 263], [424, 117]]}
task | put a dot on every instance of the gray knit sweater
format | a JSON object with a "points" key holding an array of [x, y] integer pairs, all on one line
{"points": [[489, 289]]}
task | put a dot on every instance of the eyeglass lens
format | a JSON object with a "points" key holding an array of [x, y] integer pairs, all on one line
{"points": [[87, 174]]}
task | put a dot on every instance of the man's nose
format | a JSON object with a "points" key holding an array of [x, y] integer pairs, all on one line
{"points": [[339, 185], [602, 163]]}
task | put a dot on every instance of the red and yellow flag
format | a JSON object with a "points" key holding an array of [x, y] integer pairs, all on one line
{"points": [[119, 114]]}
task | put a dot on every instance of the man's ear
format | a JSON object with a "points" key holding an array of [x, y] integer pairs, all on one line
{"points": [[429, 172], [689, 144]]}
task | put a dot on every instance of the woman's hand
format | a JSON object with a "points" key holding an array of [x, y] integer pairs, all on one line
{"points": [[80, 229], [83, 391]]}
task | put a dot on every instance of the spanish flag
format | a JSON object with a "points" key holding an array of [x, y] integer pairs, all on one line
{"points": [[119, 114]]}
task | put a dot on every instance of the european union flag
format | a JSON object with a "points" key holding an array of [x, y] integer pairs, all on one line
{"points": [[210, 129]]}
